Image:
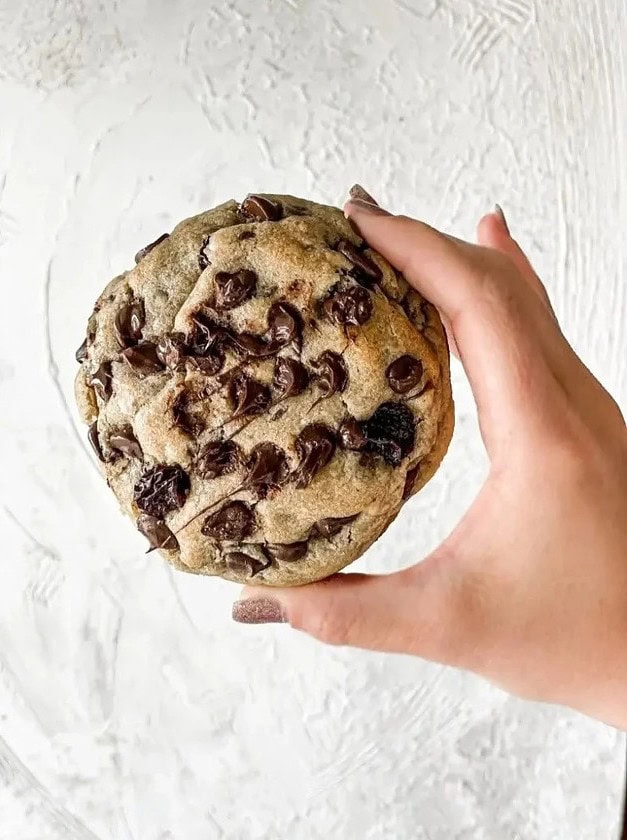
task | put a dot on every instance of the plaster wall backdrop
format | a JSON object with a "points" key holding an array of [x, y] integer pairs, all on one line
{"points": [[131, 708]]}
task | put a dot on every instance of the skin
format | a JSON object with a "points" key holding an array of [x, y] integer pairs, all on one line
{"points": [[530, 589]]}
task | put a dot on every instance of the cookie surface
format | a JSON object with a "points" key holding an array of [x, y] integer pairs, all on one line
{"points": [[264, 391]]}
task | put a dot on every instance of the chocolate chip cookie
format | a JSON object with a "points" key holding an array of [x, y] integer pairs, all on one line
{"points": [[264, 391]]}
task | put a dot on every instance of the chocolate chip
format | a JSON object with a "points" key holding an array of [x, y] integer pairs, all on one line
{"points": [[410, 481], [333, 525], [171, 350], [267, 466], [181, 417], [315, 446], [217, 458], [92, 437], [332, 373], [161, 489], [252, 345], [404, 374], [390, 432], [124, 441], [234, 521], [206, 335], [290, 377], [348, 306], [260, 209], [81, 353], [209, 364], [365, 270], [286, 552], [157, 532], [351, 434], [142, 253], [284, 325], [203, 259], [143, 358], [248, 396], [101, 381], [239, 562], [128, 324], [234, 289]]}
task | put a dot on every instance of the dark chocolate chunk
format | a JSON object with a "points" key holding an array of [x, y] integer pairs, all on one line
{"points": [[234, 289], [248, 396], [252, 345], [332, 373], [234, 521], [351, 434], [267, 466], [333, 525], [143, 358], [101, 381], [206, 335], [390, 432], [209, 364], [290, 377], [404, 373], [365, 270], [92, 437], [203, 258], [81, 353], [129, 323], [171, 350], [315, 446], [124, 441], [217, 458], [284, 325], [348, 306], [286, 552], [410, 481], [157, 532], [260, 209], [161, 489], [239, 562], [142, 253], [181, 417]]}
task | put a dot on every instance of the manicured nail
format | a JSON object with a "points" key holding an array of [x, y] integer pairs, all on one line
{"points": [[359, 193], [499, 212], [258, 611]]}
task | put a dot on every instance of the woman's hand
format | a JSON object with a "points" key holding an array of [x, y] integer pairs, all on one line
{"points": [[530, 589]]}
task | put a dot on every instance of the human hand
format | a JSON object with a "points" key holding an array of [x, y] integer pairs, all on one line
{"points": [[530, 589]]}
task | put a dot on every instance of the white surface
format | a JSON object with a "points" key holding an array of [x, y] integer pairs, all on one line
{"points": [[130, 706]]}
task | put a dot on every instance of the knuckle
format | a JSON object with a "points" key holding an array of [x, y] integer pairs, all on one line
{"points": [[324, 624]]}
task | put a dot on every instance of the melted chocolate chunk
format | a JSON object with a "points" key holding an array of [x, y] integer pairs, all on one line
{"points": [[351, 434], [252, 345], [328, 528], [81, 353], [142, 253], [171, 350], [348, 306], [404, 374], [143, 358], [157, 532], [206, 335], [92, 437], [248, 396], [286, 552], [364, 270], [290, 377], [217, 458], [234, 289], [101, 381], [209, 364], [129, 323], [234, 521], [161, 489], [260, 209], [315, 446], [390, 432], [410, 481], [203, 258], [267, 466], [284, 325], [124, 441], [239, 562], [332, 373], [182, 418]]}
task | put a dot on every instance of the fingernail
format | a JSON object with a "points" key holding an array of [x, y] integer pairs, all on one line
{"points": [[359, 193], [258, 611], [364, 207], [499, 212]]}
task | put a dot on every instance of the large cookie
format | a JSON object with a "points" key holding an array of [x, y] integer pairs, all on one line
{"points": [[264, 391]]}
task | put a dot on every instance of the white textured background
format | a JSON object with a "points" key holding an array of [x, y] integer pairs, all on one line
{"points": [[130, 706]]}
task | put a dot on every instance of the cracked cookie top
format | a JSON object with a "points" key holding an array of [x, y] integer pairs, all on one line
{"points": [[263, 391]]}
